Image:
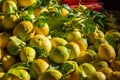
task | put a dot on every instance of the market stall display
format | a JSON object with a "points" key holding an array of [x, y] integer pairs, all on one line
{"points": [[46, 40]]}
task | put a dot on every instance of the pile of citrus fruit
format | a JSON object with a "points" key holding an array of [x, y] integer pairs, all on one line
{"points": [[42, 40]]}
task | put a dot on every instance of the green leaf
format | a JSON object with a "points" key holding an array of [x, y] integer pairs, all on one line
{"points": [[88, 26], [67, 68], [43, 3], [25, 17], [40, 22], [54, 19], [40, 51], [30, 10], [58, 32]]}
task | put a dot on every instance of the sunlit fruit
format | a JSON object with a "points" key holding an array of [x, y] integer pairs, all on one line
{"points": [[84, 57], [7, 61], [24, 30], [94, 35], [39, 66], [9, 21], [44, 30], [15, 45], [60, 54], [87, 68], [99, 41], [73, 35], [41, 42], [57, 41], [51, 75], [5, 76], [24, 75], [38, 11], [9, 6], [26, 3], [82, 42], [75, 50], [64, 12], [106, 52], [27, 54]]}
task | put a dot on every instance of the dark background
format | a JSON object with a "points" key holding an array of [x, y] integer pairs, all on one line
{"points": [[111, 4], [113, 7]]}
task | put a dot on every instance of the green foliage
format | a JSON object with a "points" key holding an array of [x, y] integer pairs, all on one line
{"points": [[67, 68], [111, 40], [40, 22], [14, 70]]}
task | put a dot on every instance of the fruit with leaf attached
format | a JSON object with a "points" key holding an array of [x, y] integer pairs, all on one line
{"points": [[41, 42], [9, 6], [24, 30], [9, 21], [59, 54]]}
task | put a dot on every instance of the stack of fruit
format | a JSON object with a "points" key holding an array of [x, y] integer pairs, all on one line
{"points": [[42, 40]]}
